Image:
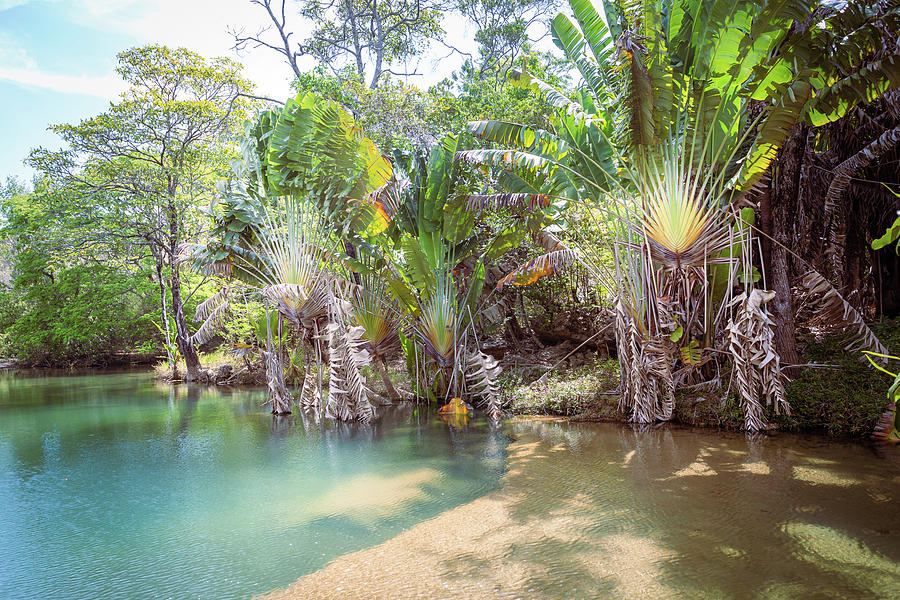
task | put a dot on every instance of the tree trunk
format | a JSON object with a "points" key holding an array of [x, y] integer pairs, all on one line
{"points": [[783, 202], [381, 367], [182, 338], [173, 361]]}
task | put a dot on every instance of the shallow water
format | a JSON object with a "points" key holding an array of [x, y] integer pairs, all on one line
{"points": [[112, 486], [605, 511]]}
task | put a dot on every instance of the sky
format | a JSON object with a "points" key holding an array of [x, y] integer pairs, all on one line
{"points": [[58, 58]]}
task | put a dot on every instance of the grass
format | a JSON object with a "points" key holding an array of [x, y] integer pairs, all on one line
{"points": [[573, 392]]}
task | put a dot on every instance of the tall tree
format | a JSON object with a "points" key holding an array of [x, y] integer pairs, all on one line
{"points": [[504, 27], [137, 172], [371, 35]]}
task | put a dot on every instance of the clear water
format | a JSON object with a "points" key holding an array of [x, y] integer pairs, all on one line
{"points": [[112, 486], [600, 510]]}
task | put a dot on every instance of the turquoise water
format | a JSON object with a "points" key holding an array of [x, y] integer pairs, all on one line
{"points": [[112, 486]]}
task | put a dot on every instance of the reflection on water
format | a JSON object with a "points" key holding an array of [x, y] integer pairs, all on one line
{"points": [[600, 510], [115, 486]]}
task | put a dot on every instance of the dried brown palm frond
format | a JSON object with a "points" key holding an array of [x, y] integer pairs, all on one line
{"points": [[481, 372], [835, 314], [309, 397], [208, 306], [544, 265], [648, 387], [279, 396], [757, 367], [835, 198], [297, 304], [505, 200], [348, 395], [548, 241], [207, 329], [212, 312]]}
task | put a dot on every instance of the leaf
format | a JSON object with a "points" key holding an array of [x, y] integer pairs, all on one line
{"points": [[418, 268], [455, 407], [836, 313], [458, 220], [863, 86], [891, 235], [691, 354], [677, 334], [507, 200], [544, 265]]}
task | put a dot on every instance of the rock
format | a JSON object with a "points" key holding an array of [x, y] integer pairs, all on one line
{"points": [[223, 374]]}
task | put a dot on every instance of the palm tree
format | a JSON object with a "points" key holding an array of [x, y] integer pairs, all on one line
{"points": [[681, 111]]}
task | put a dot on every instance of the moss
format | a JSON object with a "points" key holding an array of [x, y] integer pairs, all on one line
{"points": [[845, 400], [573, 392], [708, 409]]}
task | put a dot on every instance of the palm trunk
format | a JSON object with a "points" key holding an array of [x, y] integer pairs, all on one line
{"points": [[784, 201], [388, 385]]}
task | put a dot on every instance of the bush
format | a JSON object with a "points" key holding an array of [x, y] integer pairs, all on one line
{"points": [[571, 392], [843, 401]]}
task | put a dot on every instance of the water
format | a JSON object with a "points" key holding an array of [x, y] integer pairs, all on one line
{"points": [[112, 486], [609, 511]]}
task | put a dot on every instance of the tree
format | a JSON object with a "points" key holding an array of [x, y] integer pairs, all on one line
{"points": [[371, 36], [136, 173], [64, 307], [394, 115], [503, 28]]}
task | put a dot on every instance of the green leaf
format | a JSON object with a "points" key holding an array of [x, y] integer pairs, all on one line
{"points": [[891, 235], [458, 220]]}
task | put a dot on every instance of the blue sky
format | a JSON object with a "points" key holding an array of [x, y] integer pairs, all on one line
{"points": [[57, 58]]}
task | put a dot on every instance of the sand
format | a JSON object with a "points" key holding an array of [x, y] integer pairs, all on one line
{"points": [[496, 546]]}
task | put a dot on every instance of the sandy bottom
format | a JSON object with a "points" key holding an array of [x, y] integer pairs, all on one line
{"points": [[587, 512], [496, 547]]}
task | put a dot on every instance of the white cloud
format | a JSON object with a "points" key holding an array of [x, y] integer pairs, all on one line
{"points": [[7, 4], [14, 56], [18, 67], [102, 87], [200, 25]]}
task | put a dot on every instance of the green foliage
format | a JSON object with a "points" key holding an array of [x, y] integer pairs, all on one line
{"points": [[846, 400], [80, 314], [570, 392], [892, 234], [395, 115], [382, 33], [473, 94]]}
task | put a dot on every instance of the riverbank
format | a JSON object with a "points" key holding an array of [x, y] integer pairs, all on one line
{"points": [[837, 394], [591, 510]]}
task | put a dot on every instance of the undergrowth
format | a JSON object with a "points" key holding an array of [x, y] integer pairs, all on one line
{"points": [[844, 400], [570, 392]]}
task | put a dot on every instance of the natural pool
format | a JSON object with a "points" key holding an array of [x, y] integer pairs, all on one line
{"points": [[112, 486]]}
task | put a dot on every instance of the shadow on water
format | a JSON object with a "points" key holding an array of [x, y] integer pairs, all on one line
{"points": [[606, 510]]}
